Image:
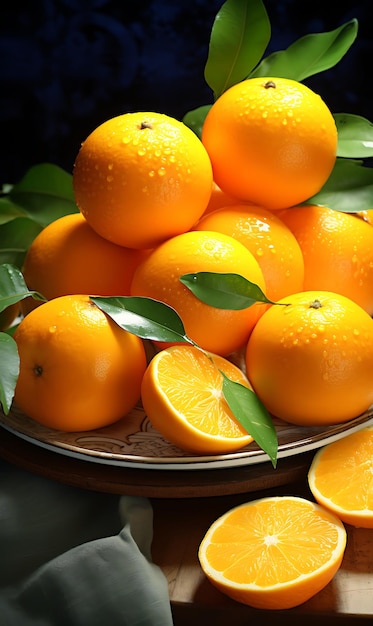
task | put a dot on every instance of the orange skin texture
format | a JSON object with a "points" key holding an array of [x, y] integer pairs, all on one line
{"points": [[218, 199], [220, 331], [270, 241], [313, 366], [140, 178], [78, 369], [337, 249], [274, 146], [69, 257]]}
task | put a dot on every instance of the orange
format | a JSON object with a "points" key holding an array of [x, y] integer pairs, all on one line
{"points": [[271, 242], [218, 199], [272, 141], [78, 369], [311, 361], [337, 249], [340, 478], [69, 257], [140, 178], [217, 330], [274, 552], [182, 396]]}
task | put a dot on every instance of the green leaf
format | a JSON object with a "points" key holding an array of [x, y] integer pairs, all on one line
{"points": [[9, 210], [349, 188], [9, 370], [355, 136], [13, 287], [239, 37], [195, 119], [45, 193], [309, 55], [224, 291], [16, 237], [252, 414], [144, 317], [12, 329]]}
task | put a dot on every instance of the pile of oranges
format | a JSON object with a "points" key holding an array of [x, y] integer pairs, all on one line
{"points": [[155, 203]]}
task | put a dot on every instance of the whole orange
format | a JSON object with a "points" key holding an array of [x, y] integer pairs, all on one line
{"points": [[69, 257], [78, 369], [270, 241], [310, 358], [337, 250], [272, 141], [220, 331], [140, 178]]}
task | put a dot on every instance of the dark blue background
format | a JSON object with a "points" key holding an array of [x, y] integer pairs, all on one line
{"points": [[68, 65]]}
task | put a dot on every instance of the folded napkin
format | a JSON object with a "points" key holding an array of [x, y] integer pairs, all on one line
{"points": [[71, 557]]}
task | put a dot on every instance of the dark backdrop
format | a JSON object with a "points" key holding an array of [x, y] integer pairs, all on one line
{"points": [[68, 65]]}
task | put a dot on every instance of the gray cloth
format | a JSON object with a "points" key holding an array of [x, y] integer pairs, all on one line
{"points": [[70, 557]]}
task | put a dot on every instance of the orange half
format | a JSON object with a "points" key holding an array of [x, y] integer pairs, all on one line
{"points": [[273, 553], [183, 398], [341, 478]]}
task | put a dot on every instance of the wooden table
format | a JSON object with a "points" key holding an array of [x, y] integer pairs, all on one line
{"points": [[178, 530], [181, 520]]}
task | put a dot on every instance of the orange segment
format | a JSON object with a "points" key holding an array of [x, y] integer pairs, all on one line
{"points": [[341, 478], [182, 396], [273, 553]]}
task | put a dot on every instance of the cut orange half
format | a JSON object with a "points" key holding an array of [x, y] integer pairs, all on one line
{"points": [[273, 553], [183, 398], [341, 478]]}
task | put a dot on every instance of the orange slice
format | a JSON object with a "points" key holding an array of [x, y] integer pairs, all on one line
{"points": [[273, 553], [341, 478], [182, 396]]}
